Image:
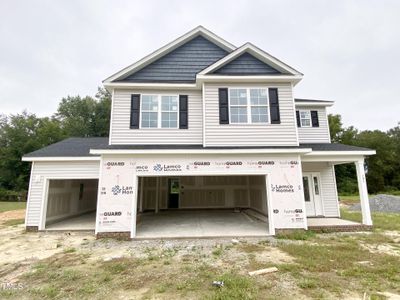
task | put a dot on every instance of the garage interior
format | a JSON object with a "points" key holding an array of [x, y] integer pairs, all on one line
{"points": [[202, 206], [71, 204]]}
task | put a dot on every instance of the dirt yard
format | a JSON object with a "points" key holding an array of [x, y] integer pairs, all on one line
{"points": [[77, 266]]}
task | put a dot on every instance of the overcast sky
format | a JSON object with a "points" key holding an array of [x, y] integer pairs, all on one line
{"points": [[348, 50]]}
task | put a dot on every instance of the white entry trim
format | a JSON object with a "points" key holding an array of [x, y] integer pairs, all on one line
{"points": [[318, 207]]}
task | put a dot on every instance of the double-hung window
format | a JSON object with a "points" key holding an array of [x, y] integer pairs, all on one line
{"points": [[305, 118], [159, 111], [248, 105]]}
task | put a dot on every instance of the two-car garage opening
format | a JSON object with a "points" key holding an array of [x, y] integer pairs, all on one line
{"points": [[169, 207], [202, 206]]}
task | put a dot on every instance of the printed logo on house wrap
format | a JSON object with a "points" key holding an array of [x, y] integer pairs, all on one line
{"points": [[282, 188], [142, 169], [111, 164], [158, 168], [124, 190]]}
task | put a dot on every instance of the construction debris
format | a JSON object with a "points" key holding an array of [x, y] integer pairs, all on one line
{"points": [[263, 271], [218, 283]]}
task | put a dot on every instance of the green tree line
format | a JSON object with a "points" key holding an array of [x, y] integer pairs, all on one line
{"points": [[26, 132], [90, 117], [382, 169]]}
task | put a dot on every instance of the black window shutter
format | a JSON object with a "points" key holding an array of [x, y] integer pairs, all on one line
{"points": [[223, 106], [298, 118], [314, 118], [135, 111], [274, 106], [183, 112]]}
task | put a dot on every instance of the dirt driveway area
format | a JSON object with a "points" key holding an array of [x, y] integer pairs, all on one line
{"points": [[58, 265]]}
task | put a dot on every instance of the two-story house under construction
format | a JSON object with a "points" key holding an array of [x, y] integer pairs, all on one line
{"points": [[206, 139]]}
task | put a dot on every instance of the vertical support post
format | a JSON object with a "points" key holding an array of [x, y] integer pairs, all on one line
{"points": [[157, 193], [141, 193], [248, 190], [363, 192], [134, 205]]}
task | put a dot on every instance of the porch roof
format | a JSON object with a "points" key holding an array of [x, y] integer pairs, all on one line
{"points": [[92, 147]]}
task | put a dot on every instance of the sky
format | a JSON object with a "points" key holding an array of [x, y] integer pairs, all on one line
{"points": [[348, 51]]}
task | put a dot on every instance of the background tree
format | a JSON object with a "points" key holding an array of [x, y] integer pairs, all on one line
{"points": [[383, 169], [85, 117], [21, 134], [24, 133]]}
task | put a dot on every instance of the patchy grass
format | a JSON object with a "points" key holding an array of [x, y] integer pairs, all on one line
{"points": [[13, 222], [299, 235], [6, 206], [319, 266], [349, 199], [381, 220], [339, 265]]}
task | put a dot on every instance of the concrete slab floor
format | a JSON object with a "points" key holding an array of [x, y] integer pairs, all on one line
{"points": [[329, 222], [199, 223], [82, 222]]}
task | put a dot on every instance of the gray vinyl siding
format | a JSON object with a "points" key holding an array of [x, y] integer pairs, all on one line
{"points": [[246, 64], [54, 170], [315, 134], [122, 134], [330, 201], [284, 134], [181, 64]]}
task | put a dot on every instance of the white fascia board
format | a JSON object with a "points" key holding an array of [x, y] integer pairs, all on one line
{"points": [[61, 158], [316, 103], [258, 53], [341, 153], [251, 78], [199, 151], [135, 85], [200, 30]]}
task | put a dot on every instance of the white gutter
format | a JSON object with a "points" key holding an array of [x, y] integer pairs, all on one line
{"points": [[61, 158], [340, 153], [198, 151]]}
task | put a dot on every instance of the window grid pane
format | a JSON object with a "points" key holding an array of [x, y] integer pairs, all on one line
{"points": [[259, 114], [305, 118], [169, 111]]}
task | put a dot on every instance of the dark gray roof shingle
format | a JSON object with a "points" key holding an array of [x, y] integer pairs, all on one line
{"points": [[70, 147], [80, 147]]}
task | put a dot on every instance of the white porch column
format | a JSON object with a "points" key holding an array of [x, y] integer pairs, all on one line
{"points": [[141, 194], [157, 194], [363, 192]]}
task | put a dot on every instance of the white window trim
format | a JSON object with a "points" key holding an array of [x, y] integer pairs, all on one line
{"points": [[159, 111], [309, 113], [248, 106]]}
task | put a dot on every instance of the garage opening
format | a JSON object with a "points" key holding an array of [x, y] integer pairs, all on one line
{"points": [[71, 204], [202, 206]]}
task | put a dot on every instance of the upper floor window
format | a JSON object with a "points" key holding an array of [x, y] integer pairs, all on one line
{"points": [[159, 111], [305, 118], [248, 105]]}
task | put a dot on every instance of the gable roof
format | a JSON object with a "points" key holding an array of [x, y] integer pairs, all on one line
{"points": [[257, 53], [246, 64], [198, 31], [181, 64]]}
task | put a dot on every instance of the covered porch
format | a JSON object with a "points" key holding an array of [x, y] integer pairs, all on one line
{"points": [[321, 196]]}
